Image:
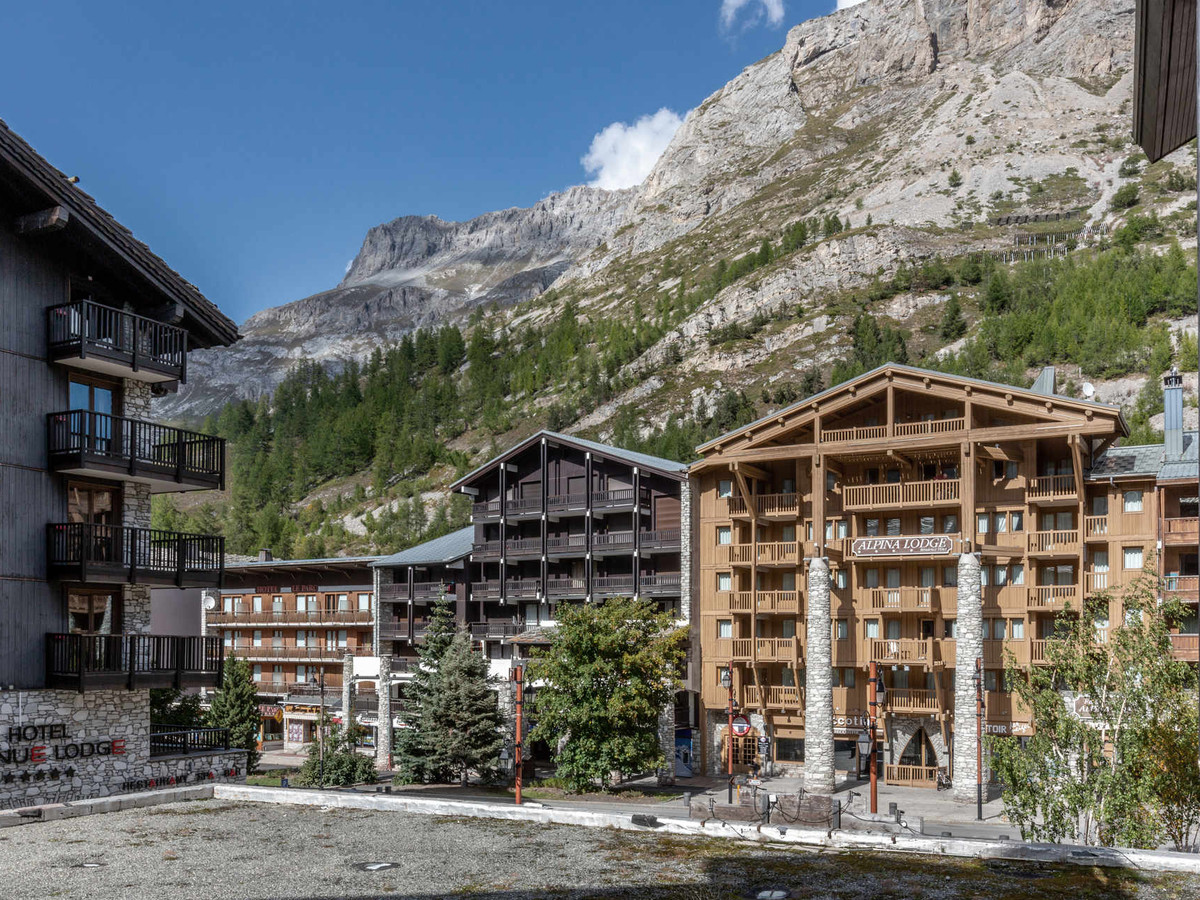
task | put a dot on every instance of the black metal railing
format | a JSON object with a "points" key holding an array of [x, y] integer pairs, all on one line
{"points": [[133, 660], [79, 438], [180, 740], [121, 553], [85, 329]]}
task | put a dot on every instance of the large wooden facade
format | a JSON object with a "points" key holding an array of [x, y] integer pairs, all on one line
{"points": [[891, 476]]}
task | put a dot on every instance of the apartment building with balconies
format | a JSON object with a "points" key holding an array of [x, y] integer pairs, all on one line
{"points": [[295, 621], [96, 325], [890, 477]]}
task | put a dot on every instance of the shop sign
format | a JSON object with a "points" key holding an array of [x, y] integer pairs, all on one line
{"points": [[39, 750], [1006, 729], [912, 545], [850, 723], [270, 711], [294, 589]]}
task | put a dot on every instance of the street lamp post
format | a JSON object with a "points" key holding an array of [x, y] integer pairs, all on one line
{"points": [[979, 739], [518, 677], [727, 683], [320, 727], [876, 697]]}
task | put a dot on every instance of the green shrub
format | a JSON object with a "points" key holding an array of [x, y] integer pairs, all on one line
{"points": [[1125, 197]]}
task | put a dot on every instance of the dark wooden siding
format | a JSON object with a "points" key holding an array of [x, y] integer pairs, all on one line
{"points": [[1164, 88]]}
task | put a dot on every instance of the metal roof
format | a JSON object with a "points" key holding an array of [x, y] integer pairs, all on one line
{"points": [[1147, 461], [445, 549], [285, 563], [899, 367], [632, 457]]}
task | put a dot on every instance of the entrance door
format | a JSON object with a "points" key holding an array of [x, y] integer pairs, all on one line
{"points": [[92, 395], [919, 751]]}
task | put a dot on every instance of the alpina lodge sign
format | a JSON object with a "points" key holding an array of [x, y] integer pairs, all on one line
{"points": [[915, 545]]}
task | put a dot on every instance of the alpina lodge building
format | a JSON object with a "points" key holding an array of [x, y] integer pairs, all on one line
{"points": [[94, 325], [878, 487]]}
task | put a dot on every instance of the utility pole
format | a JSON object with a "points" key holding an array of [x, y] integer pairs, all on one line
{"points": [[517, 676]]}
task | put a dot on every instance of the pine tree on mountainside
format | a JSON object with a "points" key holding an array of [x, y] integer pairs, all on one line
{"points": [[411, 752], [235, 706], [953, 324], [460, 716]]}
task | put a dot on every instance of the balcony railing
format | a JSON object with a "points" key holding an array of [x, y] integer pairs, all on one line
{"points": [[786, 602], [486, 509], [778, 696], [613, 541], [291, 617], [785, 553], [399, 630], [180, 740], [271, 650], [565, 587], [902, 650], [901, 493], [520, 548], [1183, 587], [861, 433], [776, 649], [660, 584], [422, 590], [1095, 527], [619, 498], [911, 776], [1186, 647], [904, 599], [90, 661], [767, 505], [613, 586], [662, 539], [121, 554], [1053, 596], [89, 335], [1051, 487], [485, 590], [565, 502], [930, 426], [85, 442], [907, 700], [1063, 543], [566, 544], [523, 588], [487, 549], [734, 601], [481, 631], [1181, 531]]}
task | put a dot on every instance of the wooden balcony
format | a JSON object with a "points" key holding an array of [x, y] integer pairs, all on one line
{"points": [[320, 651], [566, 503], [860, 433], [608, 543], [1183, 532], [565, 587], [734, 601], [1054, 543], [904, 599], [919, 651], [485, 590], [779, 553], [1054, 596], [911, 776], [664, 540], [778, 602], [118, 554], [613, 586], [82, 442], [523, 548], [902, 494], [930, 426], [1037, 652], [483, 550], [768, 505], [618, 499], [918, 702], [423, 591], [776, 649], [1095, 528], [1099, 581], [88, 335], [523, 508], [485, 510], [660, 585], [291, 617], [1051, 489], [1186, 647], [773, 697], [85, 662], [494, 630], [522, 588], [996, 653], [560, 545], [1185, 588]]}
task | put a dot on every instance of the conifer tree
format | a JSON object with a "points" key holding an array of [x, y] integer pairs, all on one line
{"points": [[411, 752], [235, 706], [953, 325], [460, 717]]}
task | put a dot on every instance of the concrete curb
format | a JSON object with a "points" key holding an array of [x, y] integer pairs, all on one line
{"points": [[1017, 851], [52, 812]]}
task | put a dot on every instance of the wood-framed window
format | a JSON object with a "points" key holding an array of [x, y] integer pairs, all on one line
{"points": [[91, 611]]}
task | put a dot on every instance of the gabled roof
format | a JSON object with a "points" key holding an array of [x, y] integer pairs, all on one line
{"points": [[899, 368], [669, 467], [1149, 461], [445, 549], [26, 174]]}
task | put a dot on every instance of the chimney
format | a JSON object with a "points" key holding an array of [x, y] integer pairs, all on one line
{"points": [[1173, 414], [1045, 383], [264, 555]]}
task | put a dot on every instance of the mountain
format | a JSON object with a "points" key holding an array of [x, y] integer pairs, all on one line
{"points": [[918, 123]]}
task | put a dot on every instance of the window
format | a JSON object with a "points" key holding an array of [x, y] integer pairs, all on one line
{"points": [[892, 629], [951, 628], [787, 678], [724, 628], [724, 534], [998, 629], [1133, 501], [985, 575], [1000, 576], [789, 628], [841, 579], [1018, 521], [227, 604], [364, 602], [302, 638], [277, 604], [1001, 523], [258, 673], [949, 576], [1100, 505], [1016, 629], [841, 629], [843, 528], [830, 481], [725, 488], [847, 678], [989, 680], [257, 638], [789, 533], [926, 524], [1133, 557], [927, 575], [891, 578], [789, 750], [872, 576], [724, 581], [302, 674], [872, 527], [950, 524], [1017, 573], [789, 486], [828, 530], [722, 671], [893, 526], [788, 580], [982, 521], [872, 628], [343, 602], [257, 607]]}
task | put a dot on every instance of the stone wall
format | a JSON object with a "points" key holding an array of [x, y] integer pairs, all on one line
{"points": [[968, 648], [64, 745], [135, 512]]}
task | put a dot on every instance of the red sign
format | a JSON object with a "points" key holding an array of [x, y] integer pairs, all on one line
{"points": [[741, 726], [914, 545]]}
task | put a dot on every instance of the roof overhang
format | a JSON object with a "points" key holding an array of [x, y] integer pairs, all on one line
{"points": [[1164, 81]]}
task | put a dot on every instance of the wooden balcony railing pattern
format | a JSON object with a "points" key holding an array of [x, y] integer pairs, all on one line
{"points": [[1053, 596], [494, 630], [766, 505], [487, 549], [662, 583], [122, 554], [784, 602], [1186, 647], [618, 498], [563, 502], [735, 554], [88, 330], [1095, 527], [776, 649], [523, 547], [1065, 543], [779, 553], [565, 586], [85, 661], [269, 650], [775, 696], [1051, 487], [910, 700], [613, 586], [1181, 531], [613, 540], [1183, 587], [911, 776], [291, 617], [904, 599], [902, 650], [82, 439], [421, 590], [930, 426], [901, 493], [564, 544], [661, 539], [860, 433]]}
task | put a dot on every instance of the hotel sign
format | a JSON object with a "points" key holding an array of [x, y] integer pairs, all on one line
{"points": [[915, 545]]}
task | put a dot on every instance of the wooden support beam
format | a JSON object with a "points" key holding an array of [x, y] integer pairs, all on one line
{"points": [[744, 489], [1007, 453], [1077, 462], [43, 221], [751, 471], [900, 457]]}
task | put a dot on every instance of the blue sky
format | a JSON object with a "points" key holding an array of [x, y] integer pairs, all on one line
{"points": [[252, 144]]}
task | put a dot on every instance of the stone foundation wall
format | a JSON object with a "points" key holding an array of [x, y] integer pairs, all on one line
{"points": [[63, 745]]}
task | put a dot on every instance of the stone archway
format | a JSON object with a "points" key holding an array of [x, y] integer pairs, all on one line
{"points": [[919, 751]]}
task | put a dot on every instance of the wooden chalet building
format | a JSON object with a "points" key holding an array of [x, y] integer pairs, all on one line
{"points": [[95, 326], [891, 477]]}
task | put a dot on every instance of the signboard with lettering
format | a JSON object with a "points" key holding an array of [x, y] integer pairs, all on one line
{"points": [[904, 545], [31, 744]]}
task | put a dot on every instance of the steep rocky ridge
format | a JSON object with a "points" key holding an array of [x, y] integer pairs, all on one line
{"points": [[863, 113]]}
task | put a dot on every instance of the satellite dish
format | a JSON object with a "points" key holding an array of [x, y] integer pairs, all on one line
{"points": [[1089, 390], [210, 601]]}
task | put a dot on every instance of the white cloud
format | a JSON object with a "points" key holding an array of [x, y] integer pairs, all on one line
{"points": [[622, 155], [772, 9], [846, 4]]}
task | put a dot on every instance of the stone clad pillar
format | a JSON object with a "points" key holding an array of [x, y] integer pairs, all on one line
{"points": [[968, 648], [347, 690], [383, 727], [818, 707]]}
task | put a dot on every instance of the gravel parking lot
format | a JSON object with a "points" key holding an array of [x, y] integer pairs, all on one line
{"points": [[217, 849]]}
